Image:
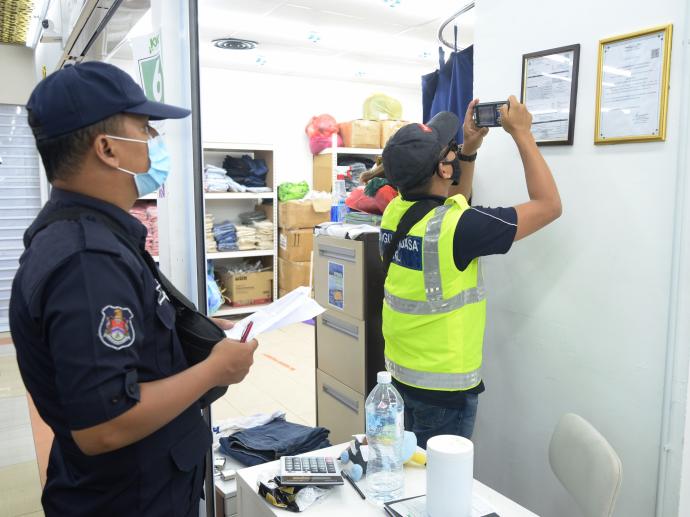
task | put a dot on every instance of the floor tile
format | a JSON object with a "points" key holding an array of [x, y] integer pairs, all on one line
{"points": [[17, 446], [11, 384], [20, 490], [14, 412]]}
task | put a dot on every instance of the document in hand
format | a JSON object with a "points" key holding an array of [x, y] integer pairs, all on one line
{"points": [[294, 307]]}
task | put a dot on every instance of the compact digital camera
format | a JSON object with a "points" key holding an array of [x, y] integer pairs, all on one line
{"points": [[487, 114]]}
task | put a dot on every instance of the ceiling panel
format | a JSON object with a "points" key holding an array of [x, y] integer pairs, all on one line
{"points": [[364, 37]]}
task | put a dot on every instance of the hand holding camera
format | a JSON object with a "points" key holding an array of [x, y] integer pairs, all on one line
{"points": [[515, 118], [473, 135]]}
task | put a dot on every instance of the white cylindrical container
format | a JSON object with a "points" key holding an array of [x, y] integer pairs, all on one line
{"points": [[449, 473]]}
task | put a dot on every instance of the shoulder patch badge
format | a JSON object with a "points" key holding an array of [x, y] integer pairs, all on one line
{"points": [[116, 330]]}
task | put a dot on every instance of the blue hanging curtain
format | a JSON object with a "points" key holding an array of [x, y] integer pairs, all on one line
{"points": [[450, 87]]}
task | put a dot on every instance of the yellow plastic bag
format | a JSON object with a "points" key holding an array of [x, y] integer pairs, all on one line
{"points": [[380, 106]]}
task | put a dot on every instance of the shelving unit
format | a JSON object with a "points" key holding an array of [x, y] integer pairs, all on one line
{"points": [[228, 206], [326, 161]]}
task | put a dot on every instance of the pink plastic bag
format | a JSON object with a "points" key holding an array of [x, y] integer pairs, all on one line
{"points": [[319, 143], [321, 125]]}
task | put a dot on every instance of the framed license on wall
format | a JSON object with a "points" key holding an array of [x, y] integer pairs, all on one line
{"points": [[549, 90], [632, 86]]}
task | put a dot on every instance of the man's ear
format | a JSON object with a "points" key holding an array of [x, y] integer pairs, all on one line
{"points": [[443, 174], [104, 151]]}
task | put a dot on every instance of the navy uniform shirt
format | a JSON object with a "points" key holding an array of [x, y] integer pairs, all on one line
{"points": [[90, 322]]}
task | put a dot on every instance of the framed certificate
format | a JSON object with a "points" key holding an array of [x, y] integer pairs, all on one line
{"points": [[632, 86], [549, 90]]}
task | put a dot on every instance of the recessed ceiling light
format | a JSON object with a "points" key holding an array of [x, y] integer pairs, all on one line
{"points": [[234, 44]]}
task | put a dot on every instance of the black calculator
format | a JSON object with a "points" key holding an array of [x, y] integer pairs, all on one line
{"points": [[309, 470]]}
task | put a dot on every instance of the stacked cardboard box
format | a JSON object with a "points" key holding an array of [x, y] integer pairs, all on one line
{"points": [[296, 220]]}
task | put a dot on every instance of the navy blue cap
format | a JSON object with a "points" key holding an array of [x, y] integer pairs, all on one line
{"points": [[83, 94], [412, 153]]}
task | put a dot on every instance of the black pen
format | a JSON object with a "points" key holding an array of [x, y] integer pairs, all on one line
{"points": [[354, 485]]}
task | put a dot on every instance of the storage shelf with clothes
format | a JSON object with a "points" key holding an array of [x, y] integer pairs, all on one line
{"points": [[324, 163], [240, 208]]}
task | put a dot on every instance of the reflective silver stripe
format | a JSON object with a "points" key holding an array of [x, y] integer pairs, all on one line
{"points": [[432, 264], [432, 380], [473, 295], [433, 287]]}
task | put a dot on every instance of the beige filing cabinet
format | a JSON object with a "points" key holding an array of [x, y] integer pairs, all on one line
{"points": [[348, 282]]}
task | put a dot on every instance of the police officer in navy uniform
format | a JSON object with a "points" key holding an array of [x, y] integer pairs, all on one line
{"points": [[93, 330]]}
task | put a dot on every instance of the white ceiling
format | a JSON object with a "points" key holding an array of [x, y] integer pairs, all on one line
{"points": [[361, 40]]}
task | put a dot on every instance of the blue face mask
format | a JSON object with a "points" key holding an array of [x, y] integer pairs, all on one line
{"points": [[153, 179]]}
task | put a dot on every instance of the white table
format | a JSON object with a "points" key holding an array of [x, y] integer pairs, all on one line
{"points": [[343, 501]]}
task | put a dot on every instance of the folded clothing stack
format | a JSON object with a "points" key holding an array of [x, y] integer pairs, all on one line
{"points": [[271, 441], [362, 218], [225, 234], [264, 235], [211, 246], [147, 213], [215, 179], [246, 237], [152, 225], [246, 170]]}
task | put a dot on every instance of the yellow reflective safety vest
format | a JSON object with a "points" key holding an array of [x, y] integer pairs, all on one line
{"points": [[433, 314]]}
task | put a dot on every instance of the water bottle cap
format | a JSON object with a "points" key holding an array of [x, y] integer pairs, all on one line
{"points": [[383, 377]]}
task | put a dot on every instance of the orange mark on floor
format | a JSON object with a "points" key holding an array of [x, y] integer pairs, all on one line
{"points": [[281, 363]]}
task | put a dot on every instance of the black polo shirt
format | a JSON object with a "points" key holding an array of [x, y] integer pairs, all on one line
{"points": [[481, 231], [90, 322]]}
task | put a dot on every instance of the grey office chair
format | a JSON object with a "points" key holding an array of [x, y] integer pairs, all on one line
{"points": [[586, 464]]}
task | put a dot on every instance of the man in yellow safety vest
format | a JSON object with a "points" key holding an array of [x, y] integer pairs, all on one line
{"points": [[434, 311]]}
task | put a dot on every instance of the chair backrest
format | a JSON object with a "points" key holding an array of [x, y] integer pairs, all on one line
{"points": [[586, 465]]}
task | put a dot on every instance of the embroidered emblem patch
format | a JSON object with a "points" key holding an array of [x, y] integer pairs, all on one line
{"points": [[116, 330]]}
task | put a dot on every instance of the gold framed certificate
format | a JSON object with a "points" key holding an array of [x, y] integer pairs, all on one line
{"points": [[632, 86]]}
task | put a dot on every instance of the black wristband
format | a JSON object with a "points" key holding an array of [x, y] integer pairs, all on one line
{"points": [[466, 158]]}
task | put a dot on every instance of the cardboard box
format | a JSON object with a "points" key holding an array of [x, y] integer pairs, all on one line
{"points": [[296, 245], [361, 133], [389, 128], [248, 288], [303, 214], [291, 275], [281, 293]]}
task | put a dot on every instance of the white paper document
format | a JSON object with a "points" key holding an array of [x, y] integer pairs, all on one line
{"points": [[631, 86], [548, 83], [416, 507], [294, 307]]}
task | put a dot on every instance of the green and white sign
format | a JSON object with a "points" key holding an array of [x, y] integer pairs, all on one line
{"points": [[147, 52]]}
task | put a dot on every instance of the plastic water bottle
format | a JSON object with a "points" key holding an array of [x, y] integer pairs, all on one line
{"points": [[385, 426], [338, 207]]}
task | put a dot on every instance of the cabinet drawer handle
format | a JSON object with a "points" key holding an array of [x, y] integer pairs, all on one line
{"points": [[343, 328], [334, 252], [344, 400]]}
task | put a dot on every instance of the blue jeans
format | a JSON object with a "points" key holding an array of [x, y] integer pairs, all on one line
{"points": [[425, 420]]}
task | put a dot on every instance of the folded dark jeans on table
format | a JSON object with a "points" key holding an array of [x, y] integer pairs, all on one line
{"points": [[271, 441]]}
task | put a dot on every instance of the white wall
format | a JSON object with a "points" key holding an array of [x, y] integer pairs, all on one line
{"points": [[578, 314], [245, 107], [17, 64]]}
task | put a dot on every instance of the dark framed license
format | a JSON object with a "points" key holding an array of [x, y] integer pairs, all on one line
{"points": [[549, 90]]}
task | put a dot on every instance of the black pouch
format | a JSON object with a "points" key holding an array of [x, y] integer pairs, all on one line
{"points": [[198, 334]]}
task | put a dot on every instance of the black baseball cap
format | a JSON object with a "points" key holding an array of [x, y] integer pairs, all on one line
{"points": [[80, 95], [411, 154]]}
